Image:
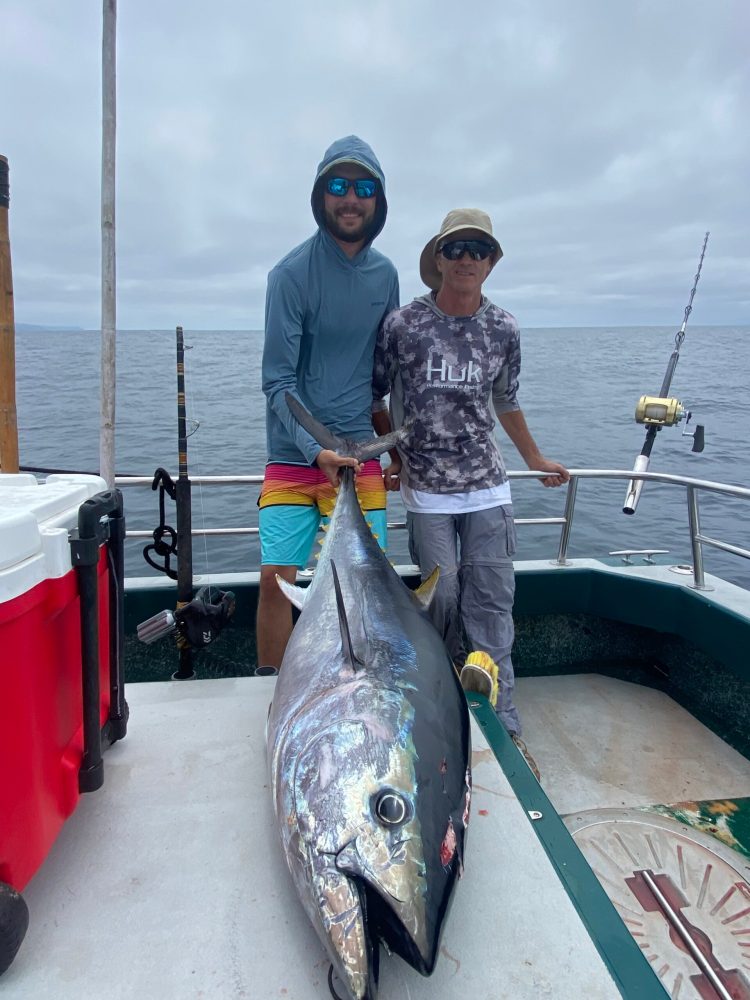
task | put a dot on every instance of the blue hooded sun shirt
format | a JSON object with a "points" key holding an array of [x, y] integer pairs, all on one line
{"points": [[323, 311]]}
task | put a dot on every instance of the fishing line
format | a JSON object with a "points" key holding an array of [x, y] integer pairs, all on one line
{"points": [[334, 994]]}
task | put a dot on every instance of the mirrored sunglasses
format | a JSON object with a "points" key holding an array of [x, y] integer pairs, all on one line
{"points": [[339, 186], [476, 249]]}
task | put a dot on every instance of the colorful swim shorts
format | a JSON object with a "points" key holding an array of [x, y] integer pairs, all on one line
{"points": [[294, 501]]}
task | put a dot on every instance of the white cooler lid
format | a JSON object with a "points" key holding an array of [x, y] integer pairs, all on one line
{"points": [[35, 519]]}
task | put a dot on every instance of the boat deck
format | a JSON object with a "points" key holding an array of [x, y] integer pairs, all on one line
{"points": [[170, 881], [605, 743]]}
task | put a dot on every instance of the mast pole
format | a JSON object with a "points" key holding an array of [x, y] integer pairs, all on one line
{"points": [[108, 305], [8, 418]]}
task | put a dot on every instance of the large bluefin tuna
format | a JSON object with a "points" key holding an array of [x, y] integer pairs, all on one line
{"points": [[369, 750]]}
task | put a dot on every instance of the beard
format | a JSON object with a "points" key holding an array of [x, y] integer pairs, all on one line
{"points": [[362, 232]]}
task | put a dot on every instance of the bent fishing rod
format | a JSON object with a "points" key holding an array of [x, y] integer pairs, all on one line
{"points": [[660, 411]]}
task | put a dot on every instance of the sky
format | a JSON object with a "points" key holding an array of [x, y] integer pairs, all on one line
{"points": [[604, 140]]}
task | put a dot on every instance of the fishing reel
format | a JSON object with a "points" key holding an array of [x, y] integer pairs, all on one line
{"points": [[196, 624], [658, 412]]}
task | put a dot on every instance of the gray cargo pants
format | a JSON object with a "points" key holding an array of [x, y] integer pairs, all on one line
{"points": [[473, 604]]}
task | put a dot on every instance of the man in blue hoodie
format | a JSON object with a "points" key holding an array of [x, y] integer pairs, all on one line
{"points": [[324, 304]]}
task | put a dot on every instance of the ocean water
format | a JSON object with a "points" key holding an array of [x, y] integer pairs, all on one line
{"points": [[578, 391]]}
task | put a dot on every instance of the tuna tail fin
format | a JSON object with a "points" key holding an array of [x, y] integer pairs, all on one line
{"points": [[350, 657], [371, 449], [361, 450], [319, 431]]}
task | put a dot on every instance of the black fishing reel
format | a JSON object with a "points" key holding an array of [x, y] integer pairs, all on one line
{"points": [[196, 624]]}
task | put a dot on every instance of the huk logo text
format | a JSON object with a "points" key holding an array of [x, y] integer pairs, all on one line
{"points": [[438, 370]]}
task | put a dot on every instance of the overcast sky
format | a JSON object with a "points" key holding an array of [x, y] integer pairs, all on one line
{"points": [[603, 139]]}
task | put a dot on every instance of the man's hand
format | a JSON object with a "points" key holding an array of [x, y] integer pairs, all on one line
{"points": [[559, 474], [330, 463], [392, 473]]}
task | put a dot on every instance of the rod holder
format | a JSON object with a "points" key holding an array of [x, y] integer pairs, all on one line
{"points": [[635, 486]]}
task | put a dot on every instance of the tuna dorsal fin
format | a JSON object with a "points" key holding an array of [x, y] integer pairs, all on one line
{"points": [[346, 639], [426, 590], [297, 595]]}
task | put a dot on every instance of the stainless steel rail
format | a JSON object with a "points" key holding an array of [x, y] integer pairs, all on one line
{"points": [[692, 486]]}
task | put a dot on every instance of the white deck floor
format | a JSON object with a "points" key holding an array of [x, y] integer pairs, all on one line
{"points": [[169, 882], [605, 743]]}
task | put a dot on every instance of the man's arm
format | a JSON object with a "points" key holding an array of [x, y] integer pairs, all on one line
{"points": [[283, 335], [284, 312], [514, 424], [381, 423], [381, 386]]}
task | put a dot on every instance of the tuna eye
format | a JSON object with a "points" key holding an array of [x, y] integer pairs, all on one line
{"points": [[390, 808]]}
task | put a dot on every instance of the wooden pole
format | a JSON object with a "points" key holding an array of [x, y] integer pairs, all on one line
{"points": [[109, 320], [8, 419]]}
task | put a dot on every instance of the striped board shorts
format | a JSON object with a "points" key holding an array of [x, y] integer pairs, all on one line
{"points": [[296, 499]]}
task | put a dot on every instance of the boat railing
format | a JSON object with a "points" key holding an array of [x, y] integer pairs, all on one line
{"points": [[693, 487]]}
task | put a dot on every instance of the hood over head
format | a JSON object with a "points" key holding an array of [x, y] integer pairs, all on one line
{"points": [[350, 149]]}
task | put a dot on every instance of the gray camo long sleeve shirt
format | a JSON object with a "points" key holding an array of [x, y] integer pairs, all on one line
{"points": [[441, 372]]}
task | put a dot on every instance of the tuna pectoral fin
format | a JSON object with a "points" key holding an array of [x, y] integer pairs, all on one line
{"points": [[426, 590], [297, 595], [350, 658]]}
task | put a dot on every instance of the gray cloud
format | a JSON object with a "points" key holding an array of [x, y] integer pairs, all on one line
{"points": [[604, 140]]}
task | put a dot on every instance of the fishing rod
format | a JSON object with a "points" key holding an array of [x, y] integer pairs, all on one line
{"points": [[184, 516], [196, 620], [660, 411]]}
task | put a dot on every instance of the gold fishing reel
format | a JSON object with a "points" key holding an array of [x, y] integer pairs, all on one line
{"points": [[659, 411], [663, 411]]}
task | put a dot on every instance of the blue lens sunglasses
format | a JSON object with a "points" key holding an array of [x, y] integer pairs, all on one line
{"points": [[338, 186]]}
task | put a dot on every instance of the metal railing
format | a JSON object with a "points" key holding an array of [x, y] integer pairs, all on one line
{"points": [[692, 487]]}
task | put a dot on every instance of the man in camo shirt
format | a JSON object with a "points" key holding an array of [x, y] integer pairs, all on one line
{"points": [[443, 358]]}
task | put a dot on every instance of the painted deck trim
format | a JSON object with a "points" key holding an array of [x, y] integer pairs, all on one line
{"points": [[625, 961]]}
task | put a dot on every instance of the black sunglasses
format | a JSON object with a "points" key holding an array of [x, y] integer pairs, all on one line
{"points": [[364, 188], [476, 249]]}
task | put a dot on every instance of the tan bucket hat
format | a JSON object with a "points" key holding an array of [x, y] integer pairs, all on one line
{"points": [[456, 221]]}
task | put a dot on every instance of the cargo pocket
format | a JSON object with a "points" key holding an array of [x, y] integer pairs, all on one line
{"points": [[510, 528]]}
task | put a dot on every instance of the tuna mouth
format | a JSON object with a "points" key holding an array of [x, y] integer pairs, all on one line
{"points": [[383, 924], [393, 912]]}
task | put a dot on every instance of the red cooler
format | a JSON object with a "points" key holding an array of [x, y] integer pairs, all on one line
{"points": [[61, 695]]}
